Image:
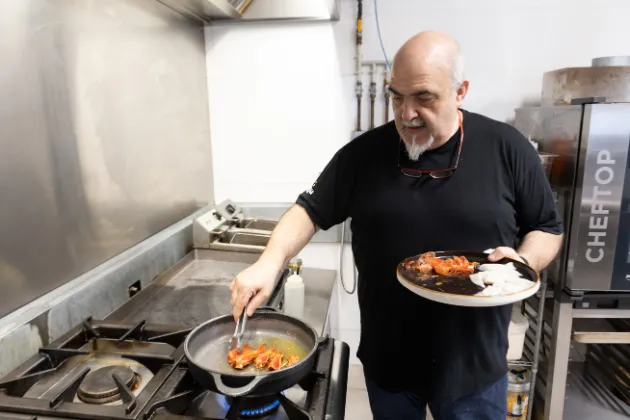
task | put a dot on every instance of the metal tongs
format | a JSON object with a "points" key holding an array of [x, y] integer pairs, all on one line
{"points": [[235, 342]]}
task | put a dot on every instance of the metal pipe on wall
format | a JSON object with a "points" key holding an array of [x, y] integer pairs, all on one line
{"points": [[358, 89], [357, 132], [372, 94], [359, 42], [373, 71]]}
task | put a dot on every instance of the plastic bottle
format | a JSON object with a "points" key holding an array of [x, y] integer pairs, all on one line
{"points": [[294, 296], [519, 383]]}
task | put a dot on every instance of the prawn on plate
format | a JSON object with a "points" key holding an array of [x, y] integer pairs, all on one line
{"points": [[428, 263]]}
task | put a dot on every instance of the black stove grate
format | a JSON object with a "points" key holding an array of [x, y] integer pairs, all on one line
{"points": [[180, 392], [170, 394], [294, 411], [89, 339], [171, 408]]}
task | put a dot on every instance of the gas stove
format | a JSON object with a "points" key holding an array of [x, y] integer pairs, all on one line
{"points": [[103, 370]]}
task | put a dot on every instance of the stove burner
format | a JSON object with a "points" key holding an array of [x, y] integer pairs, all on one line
{"points": [[99, 386], [252, 407], [260, 411]]}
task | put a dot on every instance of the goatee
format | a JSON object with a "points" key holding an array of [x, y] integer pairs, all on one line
{"points": [[415, 150]]}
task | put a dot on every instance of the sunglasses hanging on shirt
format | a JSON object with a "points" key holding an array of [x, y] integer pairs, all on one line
{"points": [[436, 173]]}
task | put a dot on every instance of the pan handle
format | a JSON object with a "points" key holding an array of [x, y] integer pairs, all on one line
{"points": [[235, 392], [322, 341]]}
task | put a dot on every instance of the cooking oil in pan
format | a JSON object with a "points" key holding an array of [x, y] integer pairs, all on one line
{"points": [[285, 345]]}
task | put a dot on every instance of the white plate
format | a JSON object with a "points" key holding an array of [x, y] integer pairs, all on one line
{"points": [[472, 300]]}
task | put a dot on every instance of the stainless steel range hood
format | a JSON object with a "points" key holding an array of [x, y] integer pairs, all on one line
{"points": [[244, 11]]}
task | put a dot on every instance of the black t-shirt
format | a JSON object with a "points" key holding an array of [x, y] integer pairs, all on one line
{"points": [[497, 195]]}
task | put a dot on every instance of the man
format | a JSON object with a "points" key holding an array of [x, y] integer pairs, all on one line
{"points": [[438, 178]]}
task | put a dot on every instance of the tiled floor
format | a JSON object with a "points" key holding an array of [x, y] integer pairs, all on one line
{"points": [[357, 403], [585, 399]]}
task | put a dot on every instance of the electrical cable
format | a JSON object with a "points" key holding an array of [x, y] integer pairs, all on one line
{"points": [[380, 38], [354, 272]]}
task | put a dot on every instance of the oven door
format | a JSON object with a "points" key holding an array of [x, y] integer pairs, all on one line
{"points": [[556, 130], [599, 233]]}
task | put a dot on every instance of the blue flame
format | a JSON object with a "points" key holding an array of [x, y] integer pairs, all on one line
{"points": [[254, 412], [222, 399], [260, 411]]}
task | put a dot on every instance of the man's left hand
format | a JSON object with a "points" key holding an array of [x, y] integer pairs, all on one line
{"points": [[504, 252]]}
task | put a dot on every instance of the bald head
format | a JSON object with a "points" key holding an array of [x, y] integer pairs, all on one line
{"points": [[428, 87], [430, 49]]}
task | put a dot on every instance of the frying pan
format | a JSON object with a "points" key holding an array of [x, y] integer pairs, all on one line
{"points": [[206, 350]]}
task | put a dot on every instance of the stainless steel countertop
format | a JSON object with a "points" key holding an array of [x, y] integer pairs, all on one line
{"points": [[319, 286], [196, 289]]}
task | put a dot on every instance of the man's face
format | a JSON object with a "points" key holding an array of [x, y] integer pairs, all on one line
{"points": [[425, 104]]}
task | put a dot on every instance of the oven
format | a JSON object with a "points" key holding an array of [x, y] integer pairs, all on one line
{"points": [[583, 128]]}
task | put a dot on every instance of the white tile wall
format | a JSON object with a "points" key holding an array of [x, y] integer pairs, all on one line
{"points": [[282, 95], [277, 107]]}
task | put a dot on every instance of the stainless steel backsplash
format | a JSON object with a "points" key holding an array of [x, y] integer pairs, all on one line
{"points": [[104, 134]]}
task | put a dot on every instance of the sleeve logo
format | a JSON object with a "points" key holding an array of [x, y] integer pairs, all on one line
{"points": [[311, 191]]}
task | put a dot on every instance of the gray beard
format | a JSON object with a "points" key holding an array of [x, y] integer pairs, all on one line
{"points": [[415, 150]]}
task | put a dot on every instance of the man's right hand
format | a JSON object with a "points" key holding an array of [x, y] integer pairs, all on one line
{"points": [[252, 287]]}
